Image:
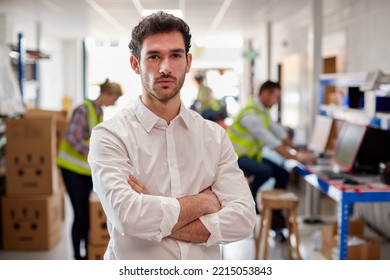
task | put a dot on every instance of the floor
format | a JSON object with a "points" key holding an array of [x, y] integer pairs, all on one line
{"points": [[310, 235]]}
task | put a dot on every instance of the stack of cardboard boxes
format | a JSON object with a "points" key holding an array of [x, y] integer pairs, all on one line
{"points": [[98, 234], [60, 119], [32, 207], [366, 249]]}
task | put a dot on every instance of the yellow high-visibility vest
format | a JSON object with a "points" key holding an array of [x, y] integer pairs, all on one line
{"points": [[71, 159], [207, 100], [244, 142]]}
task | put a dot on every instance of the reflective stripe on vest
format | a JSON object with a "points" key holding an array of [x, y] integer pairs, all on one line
{"points": [[68, 157], [244, 142]]}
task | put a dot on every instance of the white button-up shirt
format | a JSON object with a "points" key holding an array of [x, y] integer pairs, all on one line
{"points": [[172, 161]]}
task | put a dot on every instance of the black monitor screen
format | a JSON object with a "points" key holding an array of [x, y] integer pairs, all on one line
{"points": [[347, 145], [374, 149]]}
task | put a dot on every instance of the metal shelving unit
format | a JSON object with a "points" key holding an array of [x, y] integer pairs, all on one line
{"points": [[342, 111], [27, 57]]}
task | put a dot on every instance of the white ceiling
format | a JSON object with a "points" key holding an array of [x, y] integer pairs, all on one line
{"points": [[113, 19]]}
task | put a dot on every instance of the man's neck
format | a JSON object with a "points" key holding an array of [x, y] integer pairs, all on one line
{"points": [[165, 110], [260, 103]]}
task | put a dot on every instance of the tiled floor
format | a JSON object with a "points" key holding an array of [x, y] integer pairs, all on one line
{"points": [[310, 236]]}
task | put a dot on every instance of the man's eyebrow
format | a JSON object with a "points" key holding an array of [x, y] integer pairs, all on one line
{"points": [[178, 50], [152, 52]]}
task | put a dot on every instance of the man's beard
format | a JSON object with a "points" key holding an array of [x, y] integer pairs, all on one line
{"points": [[156, 91]]}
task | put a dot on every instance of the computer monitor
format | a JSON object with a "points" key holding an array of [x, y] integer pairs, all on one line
{"points": [[373, 150], [319, 140], [348, 145], [360, 149], [336, 129]]}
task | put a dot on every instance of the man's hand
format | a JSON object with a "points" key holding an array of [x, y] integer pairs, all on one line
{"points": [[287, 142], [137, 186], [307, 158], [188, 227], [192, 230], [211, 201]]}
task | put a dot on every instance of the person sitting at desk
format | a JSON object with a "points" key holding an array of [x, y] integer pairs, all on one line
{"points": [[253, 128]]}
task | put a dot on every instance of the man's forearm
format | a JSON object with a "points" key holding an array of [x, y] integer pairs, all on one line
{"points": [[191, 208], [193, 232], [283, 152]]}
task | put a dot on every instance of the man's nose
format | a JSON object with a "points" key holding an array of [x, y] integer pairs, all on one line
{"points": [[165, 67]]}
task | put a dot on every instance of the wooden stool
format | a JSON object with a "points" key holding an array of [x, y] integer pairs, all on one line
{"points": [[284, 200]]}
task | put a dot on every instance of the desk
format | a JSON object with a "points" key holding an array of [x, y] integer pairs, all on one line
{"points": [[345, 196]]}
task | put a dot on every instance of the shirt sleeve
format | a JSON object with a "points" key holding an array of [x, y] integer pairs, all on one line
{"points": [[278, 130], [253, 123], [236, 219], [146, 217], [78, 131]]}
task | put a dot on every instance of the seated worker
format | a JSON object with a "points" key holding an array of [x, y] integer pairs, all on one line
{"points": [[208, 106], [253, 128]]}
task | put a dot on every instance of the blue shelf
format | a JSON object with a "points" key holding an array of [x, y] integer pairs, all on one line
{"points": [[340, 80], [345, 197]]}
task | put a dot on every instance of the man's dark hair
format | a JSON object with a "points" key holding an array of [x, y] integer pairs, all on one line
{"points": [[269, 86], [156, 23]]}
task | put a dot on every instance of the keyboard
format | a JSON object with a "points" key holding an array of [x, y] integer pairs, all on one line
{"points": [[346, 178], [331, 175]]}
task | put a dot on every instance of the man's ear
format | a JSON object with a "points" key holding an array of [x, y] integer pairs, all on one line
{"points": [[134, 64], [189, 61]]}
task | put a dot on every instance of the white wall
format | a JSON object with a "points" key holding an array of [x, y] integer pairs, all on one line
{"points": [[51, 75], [357, 29], [72, 71], [368, 35]]}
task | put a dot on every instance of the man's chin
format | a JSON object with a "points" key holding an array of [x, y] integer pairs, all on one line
{"points": [[164, 97]]}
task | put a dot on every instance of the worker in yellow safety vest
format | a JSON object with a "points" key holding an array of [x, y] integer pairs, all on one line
{"points": [[206, 104], [251, 130], [72, 159]]}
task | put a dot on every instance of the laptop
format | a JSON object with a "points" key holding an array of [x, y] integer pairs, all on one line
{"points": [[320, 138], [358, 151]]}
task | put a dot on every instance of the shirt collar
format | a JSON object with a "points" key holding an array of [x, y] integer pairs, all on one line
{"points": [[149, 120], [258, 102]]}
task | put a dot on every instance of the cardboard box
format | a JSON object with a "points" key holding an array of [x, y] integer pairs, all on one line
{"points": [[96, 252], [98, 233], [43, 113], [63, 193], [31, 223], [62, 202], [61, 126], [30, 157], [60, 118], [370, 250], [2, 180]]}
